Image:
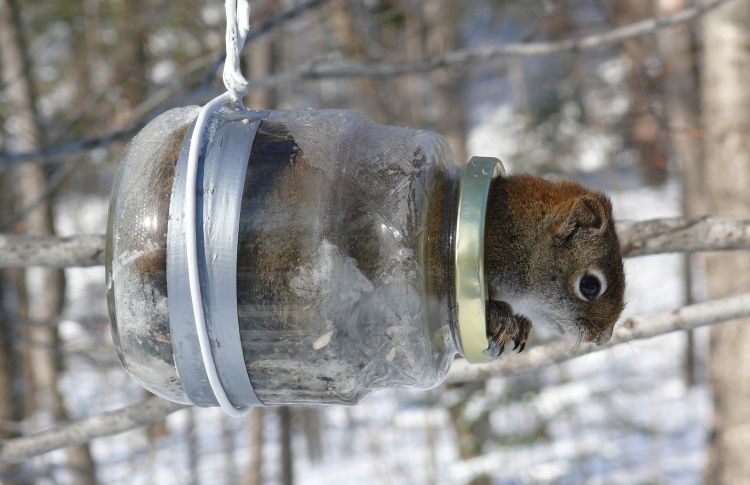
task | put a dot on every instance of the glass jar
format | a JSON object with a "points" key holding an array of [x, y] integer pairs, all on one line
{"points": [[345, 263]]}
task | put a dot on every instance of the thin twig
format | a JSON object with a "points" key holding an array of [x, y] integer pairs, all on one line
{"points": [[51, 251], [635, 328], [148, 110], [637, 238], [54, 182], [682, 234], [351, 68], [333, 69], [17, 450]]}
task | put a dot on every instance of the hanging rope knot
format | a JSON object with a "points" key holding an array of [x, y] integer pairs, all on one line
{"points": [[238, 25]]}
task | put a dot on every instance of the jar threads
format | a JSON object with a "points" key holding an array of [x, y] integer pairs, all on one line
{"points": [[471, 288]]}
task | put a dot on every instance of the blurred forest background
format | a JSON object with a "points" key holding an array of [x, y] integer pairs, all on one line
{"points": [[657, 117]]}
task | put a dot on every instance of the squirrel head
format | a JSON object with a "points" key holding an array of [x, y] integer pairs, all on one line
{"points": [[554, 256]]}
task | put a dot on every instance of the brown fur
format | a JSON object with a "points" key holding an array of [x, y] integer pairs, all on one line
{"points": [[540, 237]]}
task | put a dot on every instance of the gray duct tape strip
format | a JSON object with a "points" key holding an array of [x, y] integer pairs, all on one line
{"points": [[221, 175], [185, 345]]}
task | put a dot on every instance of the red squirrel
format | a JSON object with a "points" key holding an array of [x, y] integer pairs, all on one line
{"points": [[551, 256]]}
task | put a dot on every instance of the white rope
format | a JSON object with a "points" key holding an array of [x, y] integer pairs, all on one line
{"points": [[191, 250], [238, 25]]}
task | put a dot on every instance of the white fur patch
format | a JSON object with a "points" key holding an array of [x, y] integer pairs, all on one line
{"points": [[538, 310]]}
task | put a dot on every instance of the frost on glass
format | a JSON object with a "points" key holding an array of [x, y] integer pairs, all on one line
{"points": [[341, 271], [136, 253]]}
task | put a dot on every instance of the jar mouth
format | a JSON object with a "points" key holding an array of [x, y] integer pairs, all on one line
{"points": [[470, 285]]}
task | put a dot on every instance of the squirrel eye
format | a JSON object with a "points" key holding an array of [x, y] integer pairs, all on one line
{"points": [[589, 287]]}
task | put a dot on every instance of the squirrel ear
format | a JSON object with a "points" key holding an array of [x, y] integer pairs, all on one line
{"points": [[589, 211]]}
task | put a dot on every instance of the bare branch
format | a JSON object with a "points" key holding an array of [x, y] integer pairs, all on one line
{"points": [[51, 251], [592, 41], [149, 108], [141, 414], [635, 328], [640, 238], [146, 412], [345, 69], [74, 146], [331, 69]]}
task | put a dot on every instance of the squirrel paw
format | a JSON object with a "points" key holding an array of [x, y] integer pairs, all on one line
{"points": [[505, 327]]}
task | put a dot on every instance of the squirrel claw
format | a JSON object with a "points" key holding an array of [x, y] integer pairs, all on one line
{"points": [[504, 327], [494, 350]]}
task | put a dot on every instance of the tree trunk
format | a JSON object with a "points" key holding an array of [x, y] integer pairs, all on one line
{"points": [[192, 447], [254, 475], [313, 432], [130, 56], [263, 59], [683, 119], [431, 442], [726, 108], [10, 409], [228, 439], [46, 301], [645, 133], [285, 436], [471, 434], [11, 402], [449, 106], [355, 32]]}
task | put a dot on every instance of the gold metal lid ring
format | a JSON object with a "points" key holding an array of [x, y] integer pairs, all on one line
{"points": [[471, 288]]}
